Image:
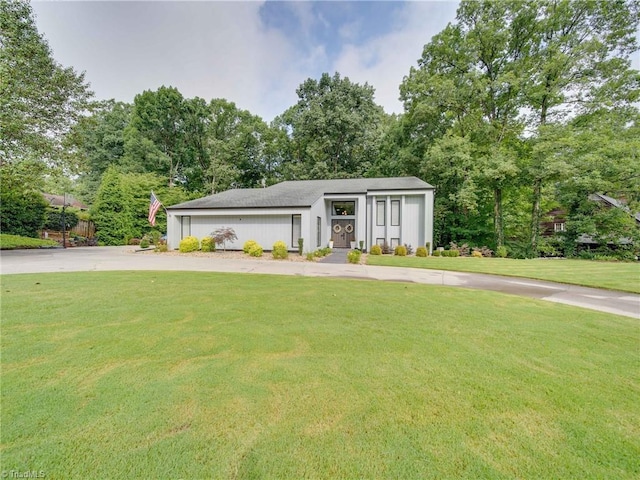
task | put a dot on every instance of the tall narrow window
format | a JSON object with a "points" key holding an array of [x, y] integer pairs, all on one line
{"points": [[185, 227], [296, 229], [380, 212], [395, 212], [319, 232]]}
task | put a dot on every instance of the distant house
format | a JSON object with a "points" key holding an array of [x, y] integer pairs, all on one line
{"points": [[556, 218], [61, 200], [345, 211]]}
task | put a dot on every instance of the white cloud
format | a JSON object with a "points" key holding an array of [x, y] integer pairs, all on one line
{"points": [[384, 61]]}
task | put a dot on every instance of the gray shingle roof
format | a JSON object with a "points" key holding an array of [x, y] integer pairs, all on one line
{"points": [[301, 193]]}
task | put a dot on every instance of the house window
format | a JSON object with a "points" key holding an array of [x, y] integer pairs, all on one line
{"points": [[185, 227], [380, 212], [558, 227], [380, 241], [395, 242], [343, 208], [319, 232], [395, 212], [296, 229]]}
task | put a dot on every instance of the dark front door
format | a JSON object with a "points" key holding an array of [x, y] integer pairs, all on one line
{"points": [[343, 232]]}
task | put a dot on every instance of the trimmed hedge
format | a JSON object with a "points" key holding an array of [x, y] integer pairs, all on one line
{"points": [[279, 250]]}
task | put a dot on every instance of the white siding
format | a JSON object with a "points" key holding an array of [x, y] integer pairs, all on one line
{"points": [[266, 229], [412, 221]]}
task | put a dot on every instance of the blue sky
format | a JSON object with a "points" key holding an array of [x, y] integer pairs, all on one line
{"points": [[252, 53]]}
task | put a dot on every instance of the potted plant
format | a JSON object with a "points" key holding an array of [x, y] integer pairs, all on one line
{"points": [[361, 245], [353, 244], [331, 243]]}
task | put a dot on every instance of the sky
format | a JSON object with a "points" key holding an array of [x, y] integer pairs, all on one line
{"points": [[253, 53]]}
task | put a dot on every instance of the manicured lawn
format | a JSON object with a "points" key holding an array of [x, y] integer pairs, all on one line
{"points": [[623, 276], [200, 375], [10, 242]]}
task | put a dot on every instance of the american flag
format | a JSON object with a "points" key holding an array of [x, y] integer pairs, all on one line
{"points": [[154, 206]]}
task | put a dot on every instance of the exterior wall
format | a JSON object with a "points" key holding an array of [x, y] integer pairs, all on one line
{"points": [[265, 227], [416, 218], [318, 209]]}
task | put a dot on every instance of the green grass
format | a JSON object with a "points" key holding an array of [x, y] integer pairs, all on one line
{"points": [[206, 375], [11, 242], [624, 276]]}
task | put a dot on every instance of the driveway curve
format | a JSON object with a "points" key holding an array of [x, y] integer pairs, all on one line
{"points": [[126, 258]]}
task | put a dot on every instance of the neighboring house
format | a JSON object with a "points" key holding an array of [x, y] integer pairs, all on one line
{"points": [[556, 219], [372, 210], [61, 200]]}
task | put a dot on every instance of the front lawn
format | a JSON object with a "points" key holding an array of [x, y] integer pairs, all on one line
{"points": [[12, 242], [206, 375], [624, 276]]}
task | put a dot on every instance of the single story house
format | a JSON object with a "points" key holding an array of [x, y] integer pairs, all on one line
{"points": [[345, 211]]}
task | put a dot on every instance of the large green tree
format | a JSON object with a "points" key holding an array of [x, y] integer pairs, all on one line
{"points": [[334, 128], [577, 60], [39, 98]]}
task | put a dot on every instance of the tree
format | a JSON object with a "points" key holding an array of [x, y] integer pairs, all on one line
{"points": [[21, 212], [111, 211], [578, 59], [334, 128], [467, 85], [39, 99], [159, 118]]}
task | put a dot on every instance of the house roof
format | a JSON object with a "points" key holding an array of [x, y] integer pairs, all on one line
{"points": [[301, 193], [613, 202], [60, 200]]}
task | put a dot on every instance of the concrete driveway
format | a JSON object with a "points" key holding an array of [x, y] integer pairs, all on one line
{"points": [[127, 258]]}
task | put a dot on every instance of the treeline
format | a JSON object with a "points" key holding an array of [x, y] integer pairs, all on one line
{"points": [[516, 108]]}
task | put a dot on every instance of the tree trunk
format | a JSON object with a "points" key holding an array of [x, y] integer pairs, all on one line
{"points": [[498, 220], [535, 214]]}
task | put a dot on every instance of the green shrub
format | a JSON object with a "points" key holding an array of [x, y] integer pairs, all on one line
{"points": [[279, 250], [427, 246], [476, 254], [155, 236], [421, 252], [255, 250], [248, 245], [208, 244], [437, 253], [311, 256], [400, 251], [376, 250], [300, 246], [501, 251], [144, 243], [354, 256], [325, 251], [161, 247], [189, 244]]}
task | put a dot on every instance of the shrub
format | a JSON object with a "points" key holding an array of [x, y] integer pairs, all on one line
{"points": [[208, 245], [248, 245], [400, 251], [501, 251], [144, 243], [437, 253], [486, 251], [161, 247], [463, 250], [300, 246], [311, 256], [155, 236], [476, 253], [409, 249], [454, 253], [279, 250], [375, 250], [189, 244], [255, 250], [325, 251], [354, 256], [427, 246], [134, 241], [223, 235], [421, 252], [386, 249]]}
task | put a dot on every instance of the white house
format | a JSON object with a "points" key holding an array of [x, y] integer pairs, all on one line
{"points": [[372, 210]]}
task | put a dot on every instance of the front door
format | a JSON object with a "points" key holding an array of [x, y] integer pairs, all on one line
{"points": [[343, 232]]}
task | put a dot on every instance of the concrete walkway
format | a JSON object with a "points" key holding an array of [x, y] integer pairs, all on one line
{"points": [[125, 258]]}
